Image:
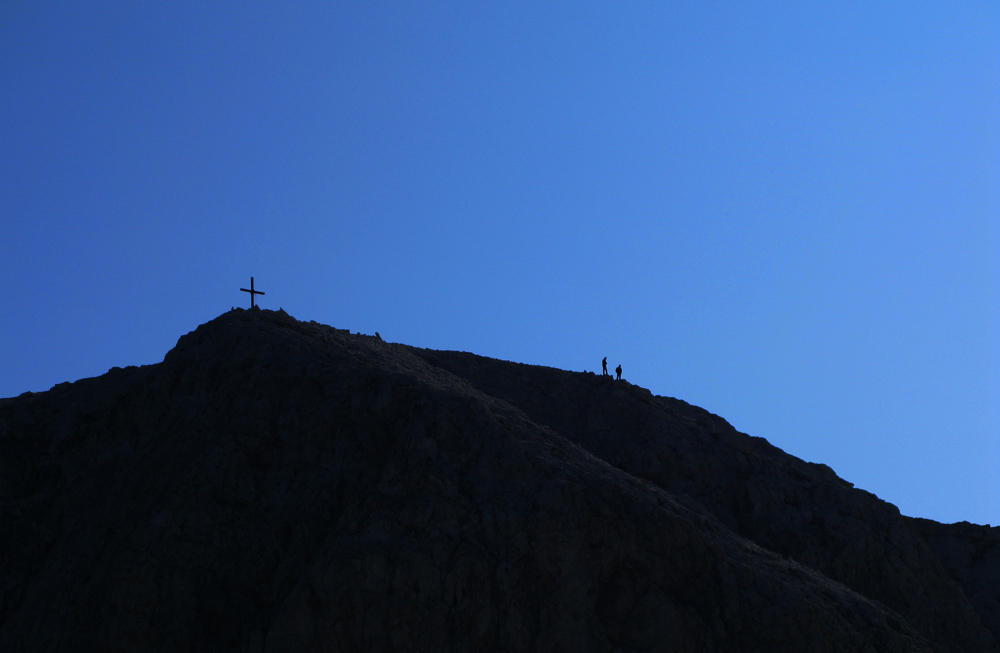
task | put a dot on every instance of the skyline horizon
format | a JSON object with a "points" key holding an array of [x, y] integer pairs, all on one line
{"points": [[583, 370], [787, 215]]}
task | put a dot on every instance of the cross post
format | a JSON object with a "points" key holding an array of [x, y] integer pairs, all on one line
{"points": [[252, 293]]}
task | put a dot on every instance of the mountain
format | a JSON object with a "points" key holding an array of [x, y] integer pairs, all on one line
{"points": [[277, 485]]}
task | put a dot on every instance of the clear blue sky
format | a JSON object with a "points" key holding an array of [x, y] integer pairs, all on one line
{"points": [[787, 213]]}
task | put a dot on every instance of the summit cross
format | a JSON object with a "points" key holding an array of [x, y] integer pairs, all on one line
{"points": [[252, 293]]}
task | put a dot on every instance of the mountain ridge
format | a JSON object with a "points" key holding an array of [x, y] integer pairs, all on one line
{"points": [[283, 485]]}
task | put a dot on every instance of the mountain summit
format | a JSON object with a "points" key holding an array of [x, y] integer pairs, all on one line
{"points": [[277, 485]]}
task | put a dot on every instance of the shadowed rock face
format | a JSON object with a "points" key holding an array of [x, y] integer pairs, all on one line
{"points": [[276, 485], [971, 554]]}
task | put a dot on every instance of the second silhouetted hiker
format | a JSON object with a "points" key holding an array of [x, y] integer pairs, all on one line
{"points": [[604, 364], [618, 370]]}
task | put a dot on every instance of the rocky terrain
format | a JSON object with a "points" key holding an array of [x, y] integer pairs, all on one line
{"points": [[277, 485]]}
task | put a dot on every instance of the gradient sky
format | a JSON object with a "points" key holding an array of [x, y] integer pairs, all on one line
{"points": [[787, 213]]}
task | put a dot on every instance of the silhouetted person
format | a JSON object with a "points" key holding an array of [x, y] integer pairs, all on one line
{"points": [[618, 370], [604, 364]]}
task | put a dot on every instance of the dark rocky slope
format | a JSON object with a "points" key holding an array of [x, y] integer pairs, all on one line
{"points": [[802, 511], [276, 485], [971, 554]]}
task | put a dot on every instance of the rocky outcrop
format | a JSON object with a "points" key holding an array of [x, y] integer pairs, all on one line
{"points": [[971, 554], [275, 485]]}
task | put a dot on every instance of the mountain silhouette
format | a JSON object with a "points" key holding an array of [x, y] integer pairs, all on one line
{"points": [[278, 485]]}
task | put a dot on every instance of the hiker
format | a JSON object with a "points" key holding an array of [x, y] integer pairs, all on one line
{"points": [[604, 364], [619, 371]]}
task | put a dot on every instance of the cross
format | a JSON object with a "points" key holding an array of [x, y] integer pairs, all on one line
{"points": [[252, 293]]}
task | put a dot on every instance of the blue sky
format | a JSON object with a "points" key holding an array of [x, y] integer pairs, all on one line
{"points": [[786, 213]]}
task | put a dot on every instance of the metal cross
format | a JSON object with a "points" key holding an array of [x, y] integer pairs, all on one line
{"points": [[252, 293]]}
